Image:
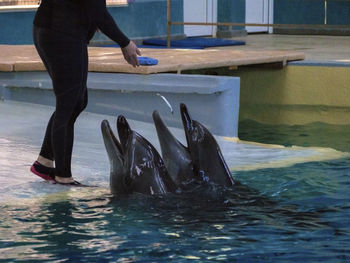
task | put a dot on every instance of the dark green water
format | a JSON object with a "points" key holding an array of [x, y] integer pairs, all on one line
{"points": [[295, 214], [315, 134]]}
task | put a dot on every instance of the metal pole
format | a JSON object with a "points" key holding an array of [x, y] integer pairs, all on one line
{"points": [[268, 15], [265, 25], [169, 24], [325, 12]]}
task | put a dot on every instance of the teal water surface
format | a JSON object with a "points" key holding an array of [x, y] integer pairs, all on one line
{"points": [[293, 214]]}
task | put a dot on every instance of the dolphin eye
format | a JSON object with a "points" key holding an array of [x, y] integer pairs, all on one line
{"points": [[127, 180], [203, 176], [196, 135]]}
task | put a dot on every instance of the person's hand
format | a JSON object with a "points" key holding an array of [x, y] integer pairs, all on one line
{"points": [[130, 53]]}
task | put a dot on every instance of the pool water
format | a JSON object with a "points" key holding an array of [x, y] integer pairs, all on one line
{"points": [[293, 214], [314, 134]]}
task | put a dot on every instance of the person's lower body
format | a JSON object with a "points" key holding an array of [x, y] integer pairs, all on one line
{"points": [[66, 60]]}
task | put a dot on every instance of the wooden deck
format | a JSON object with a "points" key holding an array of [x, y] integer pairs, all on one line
{"points": [[25, 58]]}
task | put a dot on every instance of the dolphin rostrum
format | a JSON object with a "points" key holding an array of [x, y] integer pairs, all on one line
{"points": [[201, 159], [175, 155], [135, 165]]}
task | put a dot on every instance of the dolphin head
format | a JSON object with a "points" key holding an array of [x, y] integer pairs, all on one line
{"points": [[119, 182], [135, 165], [208, 161], [176, 156]]}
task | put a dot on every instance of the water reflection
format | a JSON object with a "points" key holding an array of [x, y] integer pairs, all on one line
{"points": [[204, 224]]}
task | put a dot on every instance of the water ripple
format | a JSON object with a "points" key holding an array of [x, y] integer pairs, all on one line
{"points": [[291, 214]]}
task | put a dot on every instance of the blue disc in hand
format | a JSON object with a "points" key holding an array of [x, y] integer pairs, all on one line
{"points": [[146, 61]]}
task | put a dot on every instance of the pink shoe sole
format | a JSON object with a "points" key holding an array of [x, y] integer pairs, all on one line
{"points": [[43, 176]]}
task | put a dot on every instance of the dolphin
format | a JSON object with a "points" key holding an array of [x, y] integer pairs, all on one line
{"points": [[176, 156], [202, 159], [135, 165]]}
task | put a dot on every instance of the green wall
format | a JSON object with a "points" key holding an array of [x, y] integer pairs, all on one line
{"points": [[312, 12], [148, 18], [140, 19], [299, 11], [338, 13], [16, 27], [231, 11]]}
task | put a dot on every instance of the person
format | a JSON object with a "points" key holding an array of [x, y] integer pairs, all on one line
{"points": [[61, 33]]}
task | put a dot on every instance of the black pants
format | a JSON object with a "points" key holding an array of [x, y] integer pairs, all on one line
{"points": [[66, 60]]}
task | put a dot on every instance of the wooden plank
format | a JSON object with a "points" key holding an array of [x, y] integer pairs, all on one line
{"points": [[180, 59], [6, 67], [25, 58], [29, 66]]}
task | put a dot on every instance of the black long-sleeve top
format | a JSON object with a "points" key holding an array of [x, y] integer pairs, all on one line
{"points": [[79, 18]]}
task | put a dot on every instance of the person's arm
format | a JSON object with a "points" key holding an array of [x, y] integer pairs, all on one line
{"points": [[105, 22]]}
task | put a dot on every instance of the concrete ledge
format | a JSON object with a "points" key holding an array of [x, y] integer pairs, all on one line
{"points": [[315, 63], [230, 33], [212, 100], [310, 31]]}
